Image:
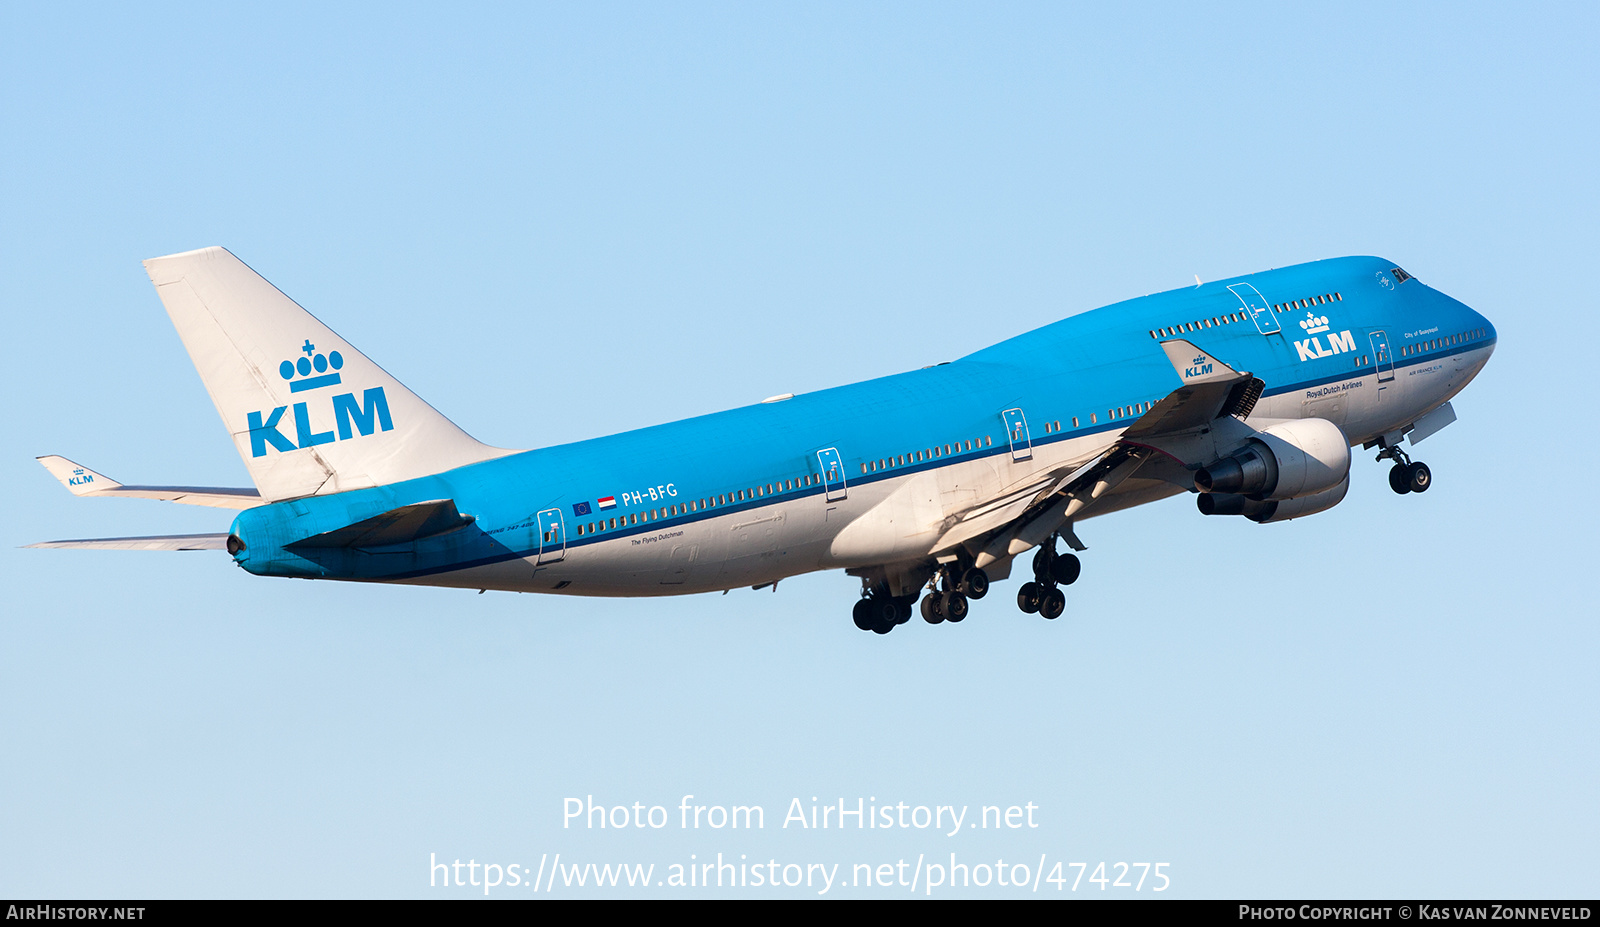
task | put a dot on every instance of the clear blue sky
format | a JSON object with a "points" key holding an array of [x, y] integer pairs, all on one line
{"points": [[559, 221]]}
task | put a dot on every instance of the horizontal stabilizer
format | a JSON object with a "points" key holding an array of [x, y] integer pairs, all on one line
{"points": [[397, 526], [81, 481], [167, 542]]}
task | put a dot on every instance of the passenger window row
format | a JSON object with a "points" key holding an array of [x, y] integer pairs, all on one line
{"points": [[1120, 412], [1215, 321], [1322, 300], [1422, 347], [927, 453], [1230, 318], [645, 516]]}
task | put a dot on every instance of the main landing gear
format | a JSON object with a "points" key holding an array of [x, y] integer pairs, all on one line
{"points": [[948, 600], [1405, 476], [1050, 570], [953, 588], [880, 612]]}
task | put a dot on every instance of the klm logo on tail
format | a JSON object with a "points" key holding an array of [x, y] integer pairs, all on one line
{"points": [[317, 371], [1198, 367], [79, 478], [1312, 349]]}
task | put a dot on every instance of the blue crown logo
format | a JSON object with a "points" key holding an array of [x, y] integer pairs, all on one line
{"points": [[1313, 323], [312, 362], [1198, 360]]}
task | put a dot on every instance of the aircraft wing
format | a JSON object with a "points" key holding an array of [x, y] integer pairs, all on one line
{"points": [[1025, 515], [167, 542], [81, 481], [1210, 390], [1007, 507], [1195, 406]]}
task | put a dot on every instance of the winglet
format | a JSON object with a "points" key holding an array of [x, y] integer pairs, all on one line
{"points": [[79, 480], [1195, 365]]}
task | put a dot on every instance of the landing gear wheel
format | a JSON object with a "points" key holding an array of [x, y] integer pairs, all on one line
{"points": [[1052, 604], [931, 611], [1400, 478], [1066, 569], [1028, 597], [877, 613], [975, 583], [954, 606], [1418, 477], [1042, 558], [903, 609]]}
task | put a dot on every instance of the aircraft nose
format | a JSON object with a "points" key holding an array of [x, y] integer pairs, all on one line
{"points": [[1490, 336], [1475, 325]]}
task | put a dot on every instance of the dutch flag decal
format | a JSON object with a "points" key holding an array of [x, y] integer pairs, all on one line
{"points": [[608, 502]]}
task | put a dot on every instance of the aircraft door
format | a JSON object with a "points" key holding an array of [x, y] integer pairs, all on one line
{"points": [[1017, 434], [1256, 306], [1381, 357], [832, 473], [680, 563], [552, 536]]}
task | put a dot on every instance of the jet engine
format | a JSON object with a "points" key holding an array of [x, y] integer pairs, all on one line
{"points": [[1283, 461], [1270, 510], [1305, 463]]}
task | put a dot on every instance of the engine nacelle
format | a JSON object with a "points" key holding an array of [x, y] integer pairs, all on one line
{"points": [[1270, 510], [1284, 461]]}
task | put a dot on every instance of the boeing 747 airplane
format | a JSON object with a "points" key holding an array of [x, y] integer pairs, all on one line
{"points": [[1248, 392]]}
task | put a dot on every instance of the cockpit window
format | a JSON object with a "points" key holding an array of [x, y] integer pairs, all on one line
{"points": [[1400, 276]]}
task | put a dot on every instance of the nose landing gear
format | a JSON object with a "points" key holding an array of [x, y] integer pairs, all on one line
{"points": [[1405, 476]]}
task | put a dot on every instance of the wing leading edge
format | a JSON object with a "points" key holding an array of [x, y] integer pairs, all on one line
{"points": [[1025, 516]]}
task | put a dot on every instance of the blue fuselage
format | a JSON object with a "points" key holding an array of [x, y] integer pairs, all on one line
{"points": [[753, 494]]}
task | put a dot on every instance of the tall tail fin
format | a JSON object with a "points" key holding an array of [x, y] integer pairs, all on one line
{"points": [[309, 413]]}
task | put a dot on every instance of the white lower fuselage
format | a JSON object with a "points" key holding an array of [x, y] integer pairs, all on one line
{"points": [[759, 546]]}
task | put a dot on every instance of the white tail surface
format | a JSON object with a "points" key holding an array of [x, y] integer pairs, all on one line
{"points": [[308, 413]]}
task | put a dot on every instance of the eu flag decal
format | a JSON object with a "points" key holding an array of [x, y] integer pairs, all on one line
{"points": [[580, 509]]}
